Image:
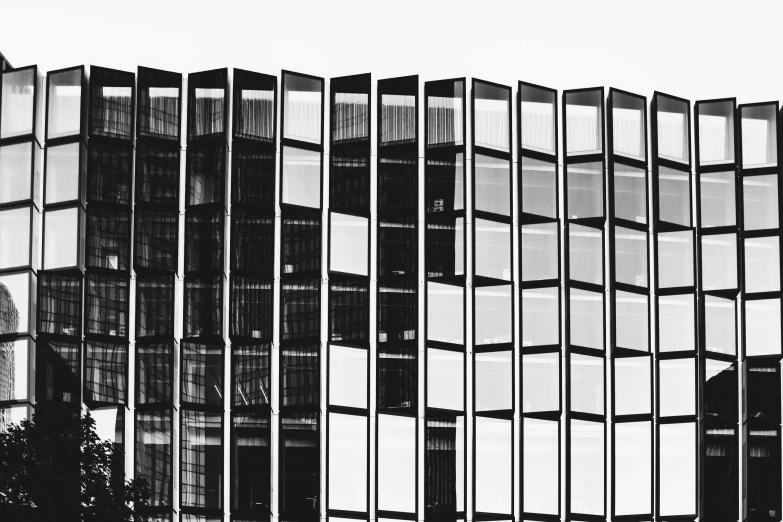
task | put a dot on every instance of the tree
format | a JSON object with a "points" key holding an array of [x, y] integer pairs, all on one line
{"points": [[56, 468]]}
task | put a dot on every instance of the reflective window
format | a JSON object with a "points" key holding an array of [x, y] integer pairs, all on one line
{"points": [[587, 467], [676, 387], [398, 314], [673, 128], [676, 323], [628, 125], [493, 320], [760, 207], [585, 252], [15, 226], [720, 390], [159, 106], [204, 233], [61, 238], [154, 371], [58, 370], [759, 135], [349, 311], [398, 246], [445, 313], [540, 316], [251, 374], [106, 307], [444, 464], [254, 114], [493, 185], [630, 193], [105, 370], [762, 264], [539, 187], [252, 243], [301, 177], [300, 311], [540, 250], [154, 454], [347, 460], [300, 245], [350, 114], [633, 468], [762, 327], [396, 463], [65, 104], [349, 244], [300, 376], [62, 173], [207, 173], [253, 176], [631, 321], [16, 170], [398, 383], [584, 122], [250, 466], [201, 466], [540, 461], [155, 306], [445, 379], [202, 374], [157, 174], [348, 371], [630, 256], [719, 261], [716, 132], [15, 303], [632, 386], [674, 196], [59, 304], [18, 101], [109, 239], [15, 361], [677, 469], [156, 239], [398, 181], [494, 465], [208, 109], [111, 103], [718, 205], [538, 115], [445, 182], [541, 382], [203, 314], [303, 108], [349, 178], [251, 307], [587, 384], [585, 197], [491, 118], [586, 319], [299, 464], [445, 114], [493, 376], [398, 118], [675, 259], [720, 325]]}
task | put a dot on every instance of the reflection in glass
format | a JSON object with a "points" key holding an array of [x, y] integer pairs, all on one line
{"points": [[252, 176], [155, 306], [493, 376], [299, 464], [15, 303], [540, 250], [111, 105], [347, 376], [491, 119], [445, 379], [445, 182], [250, 466], [396, 463], [538, 115], [397, 312], [444, 465], [349, 248], [300, 376], [587, 384], [250, 374], [201, 465], [398, 118], [631, 321], [207, 110], [632, 385], [300, 248], [584, 122], [347, 459], [15, 228], [587, 467], [630, 256], [539, 187], [349, 311], [719, 262], [206, 177], [585, 250], [762, 327], [718, 205], [720, 390], [154, 454], [676, 323], [445, 313], [541, 466], [301, 177], [64, 101], [541, 382], [677, 469], [540, 316], [673, 128], [494, 465], [302, 110], [762, 264], [493, 249], [633, 468], [675, 259], [586, 319], [630, 193], [585, 197], [157, 174], [61, 238], [106, 306], [676, 387], [628, 125], [445, 117], [299, 310], [159, 107], [493, 321], [716, 132], [493, 185], [154, 371], [62, 173], [15, 365], [18, 99], [445, 248], [398, 240], [674, 196], [202, 374], [759, 135], [719, 325], [397, 377], [760, 202], [16, 164]]}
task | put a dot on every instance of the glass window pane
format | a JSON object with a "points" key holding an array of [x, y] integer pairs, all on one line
{"points": [[300, 312], [632, 386], [587, 467], [718, 205], [106, 306], [61, 238], [674, 195], [301, 177], [676, 387], [540, 249], [630, 256], [397, 377], [676, 323], [157, 174], [201, 464], [347, 462], [299, 464], [720, 325], [633, 468], [65, 104], [585, 190], [673, 128], [252, 306], [202, 374], [540, 316], [445, 379], [716, 132], [208, 110], [494, 465], [14, 367], [348, 376], [630, 193], [445, 182], [541, 382], [300, 376], [631, 321], [628, 125], [587, 384], [252, 176], [493, 185], [111, 105], [586, 254], [18, 99], [156, 306], [445, 115], [62, 173], [109, 234], [15, 237], [251, 374], [675, 259], [541, 463], [159, 107], [539, 187], [303, 110], [719, 262], [677, 469], [206, 174], [255, 114], [538, 109], [154, 454], [154, 371], [16, 164], [493, 321], [493, 249], [762, 264], [300, 248], [584, 122], [349, 247], [250, 461], [445, 313], [396, 463], [759, 136], [762, 327], [349, 311], [15, 303], [586, 319], [444, 464], [491, 118], [493, 375], [398, 118], [105, 370], [760, 195]]}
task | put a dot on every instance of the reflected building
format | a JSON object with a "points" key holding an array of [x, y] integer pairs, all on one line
{"points": [[290, 298]]}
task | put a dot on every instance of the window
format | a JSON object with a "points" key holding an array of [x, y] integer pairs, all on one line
{"points": [[299, 376], [493, 185], [493, 375], [587, 467], [762, 327], [15, 359], [398, 240], [16, 171], [759, 135], [299, 465], [540, 316], [208, 106], [397, 378], [716, 132], [445, 313], [493, 318], [445, 379], [396, 463], [673, 128], [59, 307], [541, 459], [157, 174], [494, 465], [300, 311], [631, 321], [252, 243], [251, 374], [720, 325], [632, 468], [159, 104], [255, 111], [540, 382], [445, 182], [206, 174], [632, 386], [250, 466], [674, 195], [201, 465], [65, 103], [445, 247], [628, 125], [301, 245], [351, 111], [154, 454], [18, 100], [587, 319], [630, 256], [62, 173], [762, 264], [677, 468], [111, 103], [109, 239], [57, 372], [675, 259], [676, 323], [493, 249], [15, 310], [348, 374], [586, 261], [155, 297], [301, 177], [718, 206], [156, 239], [760, 195], [444, 464], [349, 311], [348, 462], [539, 187], [719, 261], [203, 307], [398, 118], [349, 248], [15, 228], [538, 114], [202, 374], [397, 312], [109, 173], [398, 175], [154, 373], [630, 193], [204, 241], [540, 251], [584, 122], [491, 118], [587, 384], [106, 307], [676, 387], [585, 197], [253, 176], [445, 113], [303, 108], [106, 368], [251, 307]]}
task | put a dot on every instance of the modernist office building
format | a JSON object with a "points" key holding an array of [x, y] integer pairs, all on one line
{"points": [[287, 298]]}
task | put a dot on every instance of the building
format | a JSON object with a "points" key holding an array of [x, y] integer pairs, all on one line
{"points": [[288, 298]]}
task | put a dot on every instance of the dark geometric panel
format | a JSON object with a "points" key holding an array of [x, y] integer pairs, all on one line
{"points": [[154, 373], [253, 176], [154, 453], [398, 246], [398, 315], [155, 306], [397, 377], [203, 306], [443, 435], [252, 243], [105, 372], [57, 370], [201, 464], [59, 307], [204, 241], [301, 245], [721, 473], [107, 305], [159, 104], [251, 374], [445, 247], [111, 103], [763, 392], [250, 463], [157, 174], [299, 376], [251, 308], [763, 473], [350, 180], [299, 466], [201, 370], [398, 183], [349, 311], [109, 238], [109, 173], [300, 310], [156, 239], [445, 177], [206, 174]]}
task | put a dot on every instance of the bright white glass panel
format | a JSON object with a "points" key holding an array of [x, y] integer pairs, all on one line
{"points": [[494, 372], [61, 238], [718, 203], [630, 256], [539, 187], [18, 287], [540, 466], [494, 465], [584, 128], [541, 382], [65, 97], [677, 387], [16, 164], [677, 481], [348, 376], [676, 323], [762, 264], [539, 251], [630, 193], [632, 385], [445, 379], [350, 244], [631, 321], [396, 463], [16, 112], [587, 468], [759, 136], [586, 249], [493, 314], [540, 316], [633, 468], [716, 132], [720, 318], [445, 118], [302, 108], [62, 173], [760, 208], [538, 119], [14, 365], [585, 183], [301, 177], [675, 259], [762, 327], [672, 129], [674, 196], [445, 313], [719, 262], [587, 319], [491, 117], [628, 125], [15, 237], [587, 384], [493, 185], [493, 249], [347, 462]]}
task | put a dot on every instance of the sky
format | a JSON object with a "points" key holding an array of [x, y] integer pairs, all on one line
{"points": [[692, 49]]}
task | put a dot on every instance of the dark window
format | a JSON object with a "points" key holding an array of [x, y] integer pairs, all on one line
{"points": [[251, 374], [539, 186], [398, 246], [206, 174], [254, 105], [720, 390], [154, 373], [350, 180], [250, 456], [252, 243], [299, 376], [763, 391], [445, 247], [157, 174], [107, 305], [208, 109], [300, 310], [109, 173], [202, 374], [351, 112], [397, 377], [251, 307], [301, 245], [202, 460], [253, 176], [154, 454], [398, 175], [105, 372], [299, 466], [59, 309], [111, 103], [204, 241], [443, 437], [349, 311], [156, 306], [445, 113], [398, 315], [109, 239], [159, 105], [57, 371], [203, 307], [445, 188], [156, 239]]}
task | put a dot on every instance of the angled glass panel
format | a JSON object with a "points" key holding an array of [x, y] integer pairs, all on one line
{"points": [[300, 245], [586, 248], [18, 102], [720, 325], [111, 103], [493, 249], [445, 115], [677, 469], [349, 311], [155, 298], [208, 106], [760, 202], [398, 315], [156, 239], [254, 110], [202, 374], [250, 466], [347, 457], [628, 125], [587, 467], [719, 262], [445, 379], [630, 193], [15, 361], [398, 118], [491, 118], [539, 187], [253, 176], [673, 128], [154, 455], [493, 375], [300, 310], [716, 132], [445, 182], [762, 327], [762, 264], [445, 313], [15, 228], [159, 105], [251, 307], [300, 376], [349, 246], [106, 307], [349, 179], [203, 314], [14, 415], [676, 387], [105, 371], [397, 377], [494, 465], [762, 380], [631, 321], [584, 122], [62, 173], [540, 251], [398, 175], [348, 371], [674, 196], [398, 240], [676, 323], [58, 370], [301, 177], [61, 238], [675, 259], [586, 319], [540, 466], [59, 307], [251, 374], [201, 466], [493, 185], [540, 316], [633, 468], [585, 182], [718, 205], [538, 115], [15, 293], [303, 108], [444, 465], [396, 463], [65, 103], [252, 243], [759, 135], [206, 174], [157, 174], [154, 373], [16, 171], [587, 384], [720, 390], [204, 233], [540, 382], [109, 239], [493, 319], [632, 386], [299, 465], [350, 116]]}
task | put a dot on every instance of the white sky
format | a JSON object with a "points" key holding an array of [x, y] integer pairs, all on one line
{"points": [[697, 50]]}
